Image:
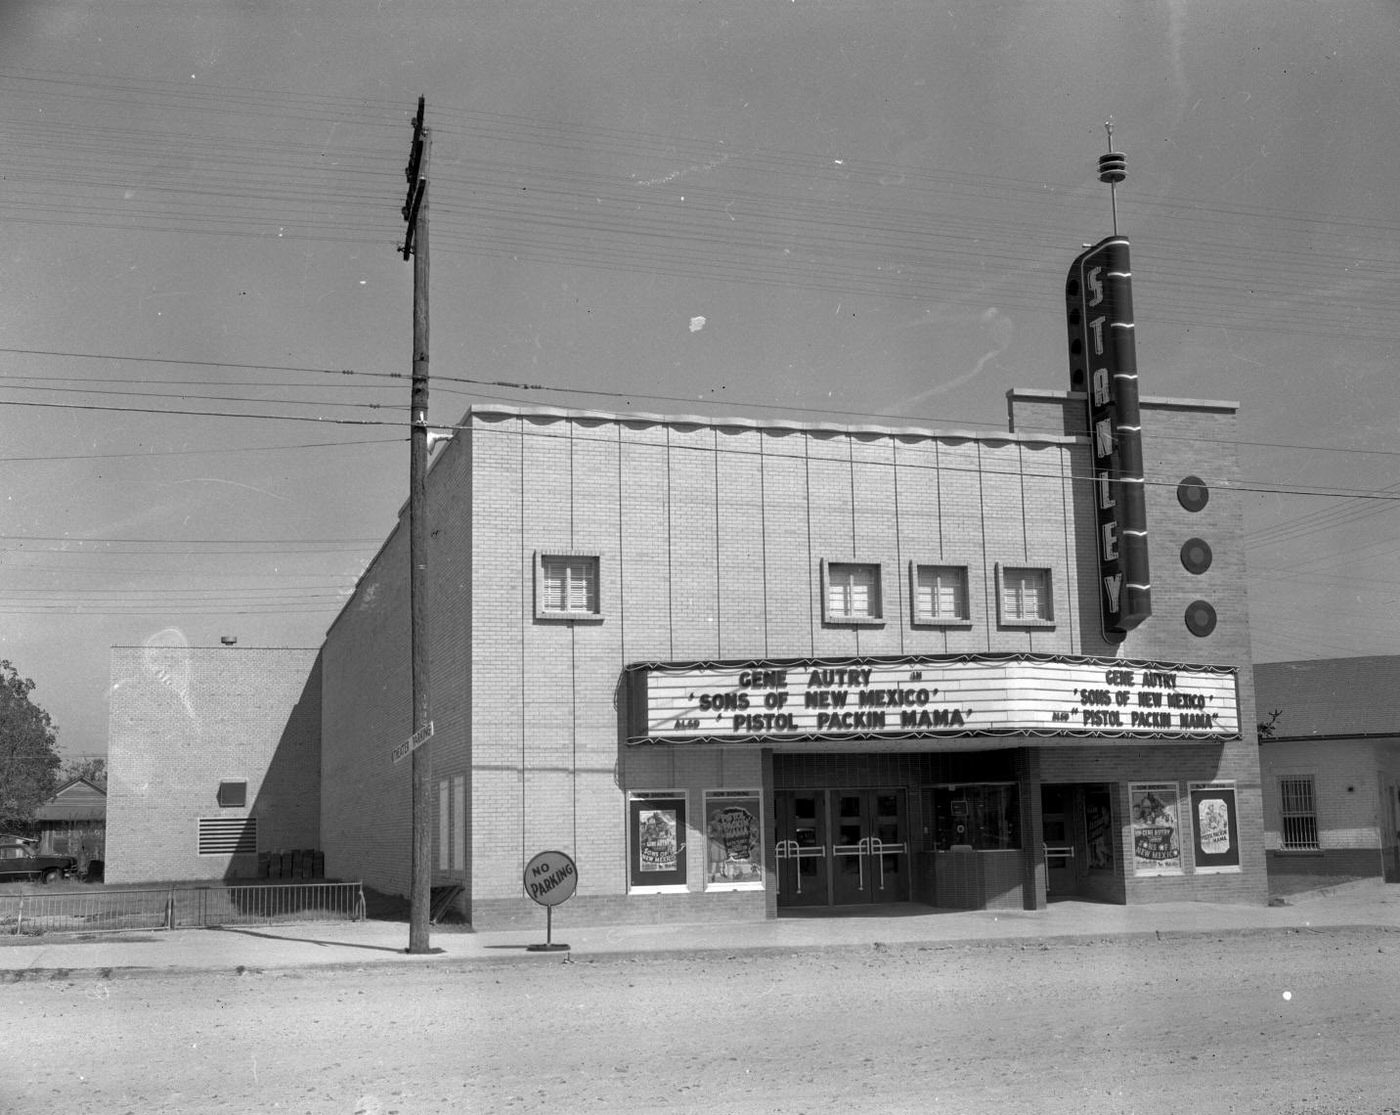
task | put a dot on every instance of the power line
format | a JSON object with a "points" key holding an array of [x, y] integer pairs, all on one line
{"points": [[787, 407], [140, 571], [195, 541], [205, 452], [157, 609], [1233, 486], [198, 363], [515, 208], [188, 395], [211, 414]]}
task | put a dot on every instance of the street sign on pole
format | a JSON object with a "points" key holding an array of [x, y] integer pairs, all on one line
{"points": [[550, 879], [413, 743]]}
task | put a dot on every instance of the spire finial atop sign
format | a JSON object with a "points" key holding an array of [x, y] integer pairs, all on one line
{"points": [[1113, 168]]}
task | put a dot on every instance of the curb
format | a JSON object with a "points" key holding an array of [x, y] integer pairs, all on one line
{"points": [[518, 955]]}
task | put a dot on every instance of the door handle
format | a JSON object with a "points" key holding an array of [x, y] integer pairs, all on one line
{"points": [[789, 849], [875, 850]]}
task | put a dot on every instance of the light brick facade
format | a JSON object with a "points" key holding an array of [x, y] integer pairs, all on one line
{"points": [[709, 537], [183, 720]]}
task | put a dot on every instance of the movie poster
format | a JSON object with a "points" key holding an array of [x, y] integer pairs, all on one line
{"points": [[657, 841], [1156, 828], [1216, 845], [734, 842]]}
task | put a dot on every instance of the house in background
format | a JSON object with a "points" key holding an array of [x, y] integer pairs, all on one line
{"points": [[73, 822], [1329, 759]]}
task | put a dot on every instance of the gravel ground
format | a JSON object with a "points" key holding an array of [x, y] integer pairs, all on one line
{"points": [[1274, 1022]]}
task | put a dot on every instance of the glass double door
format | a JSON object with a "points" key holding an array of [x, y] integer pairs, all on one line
{"points": [[841, 847]]}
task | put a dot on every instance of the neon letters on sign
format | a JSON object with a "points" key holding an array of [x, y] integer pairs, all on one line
{"points": [[1103, 363]]}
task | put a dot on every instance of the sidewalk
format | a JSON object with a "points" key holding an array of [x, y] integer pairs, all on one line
{"points": [[357, 944]]}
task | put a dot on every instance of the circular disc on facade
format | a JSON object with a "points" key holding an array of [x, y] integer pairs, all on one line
{"points": [[1200, 618], [1196, 555], [1192, 493]]}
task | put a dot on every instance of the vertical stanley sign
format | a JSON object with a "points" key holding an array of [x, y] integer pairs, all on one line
{"points": [[1103, 364]]}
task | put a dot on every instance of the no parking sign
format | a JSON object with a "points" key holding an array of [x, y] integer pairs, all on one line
{"points": [[550, 879]]}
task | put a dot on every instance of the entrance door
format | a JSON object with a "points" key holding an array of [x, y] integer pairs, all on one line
{"points": [[802, 852], [1056, 803], [870, 849]]}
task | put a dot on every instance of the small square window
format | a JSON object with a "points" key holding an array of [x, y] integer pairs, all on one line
{"points": [[851, 592], [1023, 596], [566, 587], [233, 795], [940, 597]]}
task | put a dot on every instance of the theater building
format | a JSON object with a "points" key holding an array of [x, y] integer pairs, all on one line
{"points": [[736, 667]]}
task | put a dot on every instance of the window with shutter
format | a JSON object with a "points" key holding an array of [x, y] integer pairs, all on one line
{"points": [[940, 594], [1023, 595], [566, 586], [852, 592]]}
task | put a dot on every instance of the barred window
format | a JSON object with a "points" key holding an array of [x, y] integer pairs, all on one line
{"points": [[1298, 813]]}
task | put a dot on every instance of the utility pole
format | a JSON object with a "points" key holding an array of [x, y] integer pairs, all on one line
{"points": [[415, 244]]}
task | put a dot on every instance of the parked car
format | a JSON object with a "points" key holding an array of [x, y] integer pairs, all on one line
{"points": [[21, 859]]}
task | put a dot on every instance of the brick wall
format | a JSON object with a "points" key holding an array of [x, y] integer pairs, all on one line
{"points": [[1291, 872], [710, 538], [1353, 782], [182, 720], [1347, 790], [367, 810], [1180, 439]]}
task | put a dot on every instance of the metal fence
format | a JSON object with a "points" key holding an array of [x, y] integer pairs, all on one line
{"points": [[101, 910]]}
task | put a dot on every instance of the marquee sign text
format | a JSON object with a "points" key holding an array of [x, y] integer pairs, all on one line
{"points": [[917, 697]]}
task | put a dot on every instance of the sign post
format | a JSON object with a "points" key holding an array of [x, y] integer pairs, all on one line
{"points": [[413, 743], [550, 879]]}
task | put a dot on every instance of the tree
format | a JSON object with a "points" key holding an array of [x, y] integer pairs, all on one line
{"points": [[91, 767], [29, 761]]}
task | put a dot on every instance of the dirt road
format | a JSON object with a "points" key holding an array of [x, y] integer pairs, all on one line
{"points": [[1279, 1023]]}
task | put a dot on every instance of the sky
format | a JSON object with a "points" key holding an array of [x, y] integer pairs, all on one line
{"points": [[845, 212]]}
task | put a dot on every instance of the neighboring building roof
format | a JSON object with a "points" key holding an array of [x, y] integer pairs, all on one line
{"points": [[1330, 698], [76, 800]]}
